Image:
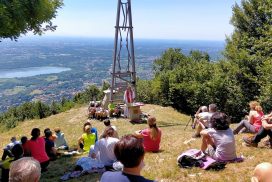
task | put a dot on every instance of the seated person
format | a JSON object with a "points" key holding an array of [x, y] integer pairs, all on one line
{"points": [[262, 173], [252, 123], [60, 142], [93, 129], [7, 149], [17, 153], [218, 141], [111, 108], [86, 140], [26, 169], [50, 146], [203, 118], [130, 152], [91, 110], [24, 145], [36, 148], [104, 147], [107, 123], [52, 137], [151, 136], [262, 133]]}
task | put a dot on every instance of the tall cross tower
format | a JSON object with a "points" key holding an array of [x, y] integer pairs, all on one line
{"points": [[123, 67]]}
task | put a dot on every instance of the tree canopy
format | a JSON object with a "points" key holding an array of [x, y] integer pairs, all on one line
{"points": [[17, 17]]}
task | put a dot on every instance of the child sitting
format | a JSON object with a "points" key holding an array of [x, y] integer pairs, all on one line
{"points": [[60, 142], [218, 141]]}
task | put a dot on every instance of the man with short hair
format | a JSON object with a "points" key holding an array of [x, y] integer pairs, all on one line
{"points": [[262, 172], [25, 169]]}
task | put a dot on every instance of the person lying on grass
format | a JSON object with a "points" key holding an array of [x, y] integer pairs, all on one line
{"points": [[218, 141], [151, 136]]}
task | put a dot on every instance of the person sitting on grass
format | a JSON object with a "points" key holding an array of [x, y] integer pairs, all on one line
{"points": [[17, 153], [104, 147], [60, 142], [7, 149], [262, 172], [151, 136], [24, 145], [86, 140], [36, 148], [107, 123], [26, 169], [130, 152], [50, 146], [252, 123], [203, 118], [218, 141], [262, 133], [93, 129]]}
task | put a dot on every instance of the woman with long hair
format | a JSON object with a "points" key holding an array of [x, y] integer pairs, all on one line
{"points": [[252, 123], [151, 136]]}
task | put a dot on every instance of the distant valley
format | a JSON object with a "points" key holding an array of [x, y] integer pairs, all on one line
{"points": [[48, 69]]}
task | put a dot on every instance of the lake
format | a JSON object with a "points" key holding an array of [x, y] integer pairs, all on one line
{"points": [[31, 71]]}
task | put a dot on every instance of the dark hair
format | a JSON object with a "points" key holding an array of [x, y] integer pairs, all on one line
{"points": [[45, 130], [213, 107], [108, 132], [107, 122], [129, 151], [23, 139], [47, 133], [85, 124], [17, 151], [220, 121], [35, 133]]}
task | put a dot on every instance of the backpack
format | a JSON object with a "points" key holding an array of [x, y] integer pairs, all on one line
{"points": [[196, 158]]}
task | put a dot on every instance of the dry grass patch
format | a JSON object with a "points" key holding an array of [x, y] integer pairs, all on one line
{"points": [[161, 166]]}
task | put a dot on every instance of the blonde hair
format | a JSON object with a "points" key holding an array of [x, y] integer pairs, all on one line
{"points": [[253, 104], [153, 127], [258, 108]]}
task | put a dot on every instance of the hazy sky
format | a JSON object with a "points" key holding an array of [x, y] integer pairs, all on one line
{"points": [[153, 19]]}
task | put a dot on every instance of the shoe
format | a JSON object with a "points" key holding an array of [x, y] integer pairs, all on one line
{"points": [[196, 135], [249, 142]]}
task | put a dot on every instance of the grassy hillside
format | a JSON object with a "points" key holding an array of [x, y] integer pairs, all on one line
{"points": [[160, 166]]}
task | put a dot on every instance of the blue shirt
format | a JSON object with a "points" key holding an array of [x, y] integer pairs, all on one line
{"points": [[122, 177], [94, 130]]}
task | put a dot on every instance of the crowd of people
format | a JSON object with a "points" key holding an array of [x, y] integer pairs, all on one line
{"points": [[218, 142]]}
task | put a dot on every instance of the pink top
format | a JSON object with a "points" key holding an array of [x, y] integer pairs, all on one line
{"points": [[257, 121], [37, 149], [151, 145]]}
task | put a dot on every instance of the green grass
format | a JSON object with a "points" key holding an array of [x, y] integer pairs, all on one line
{"points": [[160, 166]]}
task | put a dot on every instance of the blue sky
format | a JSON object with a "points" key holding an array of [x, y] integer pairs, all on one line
{"points": [[152, 19]]}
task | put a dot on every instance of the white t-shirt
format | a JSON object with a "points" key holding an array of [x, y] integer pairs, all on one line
{"points": [[104, 150], [206, 116], [224, 143]]}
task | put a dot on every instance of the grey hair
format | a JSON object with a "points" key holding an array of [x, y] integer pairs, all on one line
{"points": [[25, 169], [204, 109]]}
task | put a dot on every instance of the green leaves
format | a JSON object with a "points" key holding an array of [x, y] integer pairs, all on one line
{"points": [[20, 16]]}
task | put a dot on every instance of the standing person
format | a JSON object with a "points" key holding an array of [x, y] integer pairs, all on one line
{"points": [[130, 152], [26, 169], [151, 136], [86, 140], [218, 141], [129, 97], [36, 148], [104, 148], [253, 122]]}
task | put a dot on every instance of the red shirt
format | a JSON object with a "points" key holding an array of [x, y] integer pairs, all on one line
{"points": [[151, 145], [37, 149], [257, 121]]}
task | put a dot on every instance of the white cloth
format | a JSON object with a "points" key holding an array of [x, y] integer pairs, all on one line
{"points": [[206, 116], [11, 145], [60, 140], [104, 150]]}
